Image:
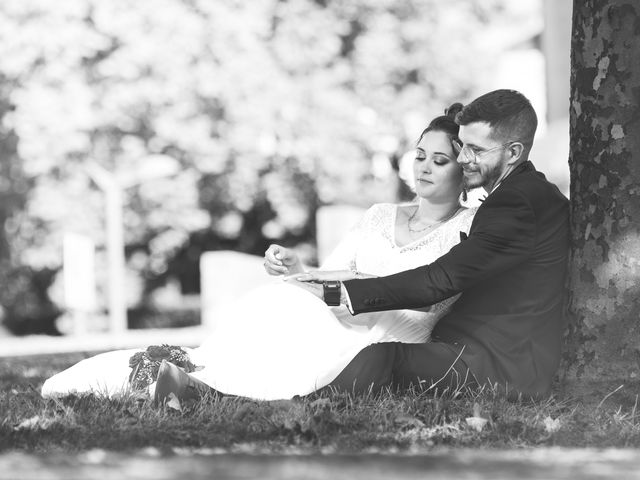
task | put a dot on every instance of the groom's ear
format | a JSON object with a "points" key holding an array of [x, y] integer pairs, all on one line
{"points": [[515, 150]]}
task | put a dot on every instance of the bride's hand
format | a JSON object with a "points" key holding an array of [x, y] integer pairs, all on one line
{"points": [[279, 260]]}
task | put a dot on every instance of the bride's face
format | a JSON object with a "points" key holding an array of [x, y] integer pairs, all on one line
{"points": [[437, 173]]}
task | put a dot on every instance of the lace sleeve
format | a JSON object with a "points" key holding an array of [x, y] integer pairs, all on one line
{"points": [[343, 257], [466, 217]]}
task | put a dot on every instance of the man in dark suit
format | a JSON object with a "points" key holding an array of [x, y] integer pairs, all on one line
{"points": [[507, 325]]}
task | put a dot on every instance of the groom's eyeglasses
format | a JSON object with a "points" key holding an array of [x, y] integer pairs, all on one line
{"points": [[473, 156]]}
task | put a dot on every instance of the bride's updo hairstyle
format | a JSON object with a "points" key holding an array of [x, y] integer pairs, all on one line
{"points": [[446, 123]]}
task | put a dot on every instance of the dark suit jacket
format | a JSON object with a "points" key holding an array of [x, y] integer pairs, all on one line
{"points": [[511, 270]]}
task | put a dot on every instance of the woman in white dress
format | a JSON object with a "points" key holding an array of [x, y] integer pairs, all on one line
{"points": [[280, 341]]}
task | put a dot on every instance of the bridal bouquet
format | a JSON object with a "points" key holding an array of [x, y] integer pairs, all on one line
{"points": [[145, 365]]}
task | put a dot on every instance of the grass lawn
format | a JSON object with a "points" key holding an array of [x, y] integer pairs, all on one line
{"points": [[597, 415]]}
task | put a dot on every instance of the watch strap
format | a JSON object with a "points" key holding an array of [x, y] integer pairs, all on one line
{"points": [[332, 290]]}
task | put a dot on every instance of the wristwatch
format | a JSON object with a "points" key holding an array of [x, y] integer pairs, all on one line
{"points": [[332, 290]]}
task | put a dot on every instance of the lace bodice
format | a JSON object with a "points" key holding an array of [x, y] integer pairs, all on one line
{"points": [[370, 247]]}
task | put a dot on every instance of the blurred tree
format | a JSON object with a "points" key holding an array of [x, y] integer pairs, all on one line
{"points": [[605, 177], [23, 291], [13, 183], [271, 107]]}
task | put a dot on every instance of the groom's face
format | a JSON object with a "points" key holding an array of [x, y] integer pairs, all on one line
{"points": [[489, 156]]}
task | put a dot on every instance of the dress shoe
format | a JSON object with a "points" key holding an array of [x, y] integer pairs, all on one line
{"points": [[172, 379]]}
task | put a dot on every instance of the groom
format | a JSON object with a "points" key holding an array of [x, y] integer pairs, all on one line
{"points": [[507, 325]]}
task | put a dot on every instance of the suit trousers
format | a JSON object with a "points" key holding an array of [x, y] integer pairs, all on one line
{"points": [[399, 366]]}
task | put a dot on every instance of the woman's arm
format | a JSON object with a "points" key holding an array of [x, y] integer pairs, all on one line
{"points": [[279, 260]]}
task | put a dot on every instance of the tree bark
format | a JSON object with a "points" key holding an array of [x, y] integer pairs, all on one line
{"points": [[603, 339]]}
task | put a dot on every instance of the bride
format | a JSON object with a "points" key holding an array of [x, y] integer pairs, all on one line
{"points": [[280, 341]]}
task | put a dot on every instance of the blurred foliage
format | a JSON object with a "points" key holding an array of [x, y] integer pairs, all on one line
{"points": [[271, 107], [25, 304], [149, 317]]}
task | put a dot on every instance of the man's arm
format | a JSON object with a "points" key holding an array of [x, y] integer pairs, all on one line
{"points": [[502, 236]]}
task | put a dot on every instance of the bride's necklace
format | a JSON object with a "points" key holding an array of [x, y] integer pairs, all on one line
{"points": [[431, 225]]}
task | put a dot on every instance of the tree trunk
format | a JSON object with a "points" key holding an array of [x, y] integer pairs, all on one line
{"points": [[603, 339]]}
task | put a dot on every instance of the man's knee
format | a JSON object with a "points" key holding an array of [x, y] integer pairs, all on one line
{"points": [[370, 370], [431, 366]]}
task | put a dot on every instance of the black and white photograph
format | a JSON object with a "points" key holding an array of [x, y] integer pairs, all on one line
{"points": [[319, 239]]}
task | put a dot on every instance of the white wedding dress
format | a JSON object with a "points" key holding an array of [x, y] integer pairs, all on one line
{"points": [[279, 341]]}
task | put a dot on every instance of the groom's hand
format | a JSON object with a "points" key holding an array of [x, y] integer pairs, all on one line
{"points": [[326, 275], [319, 276], [313, 287]]}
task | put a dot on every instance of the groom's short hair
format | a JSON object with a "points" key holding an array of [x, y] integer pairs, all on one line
{"points": [[508, 112]]}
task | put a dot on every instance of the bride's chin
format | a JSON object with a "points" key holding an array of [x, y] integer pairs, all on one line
{"points": [[425, 191]]}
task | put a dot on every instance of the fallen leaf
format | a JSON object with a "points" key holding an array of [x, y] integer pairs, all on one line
{"points": [[476, 423], [28, 424], [173, 402], [551, 425]]}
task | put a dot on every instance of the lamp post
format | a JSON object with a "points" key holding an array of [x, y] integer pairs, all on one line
{"points": [[154, 167], [117, 306]]}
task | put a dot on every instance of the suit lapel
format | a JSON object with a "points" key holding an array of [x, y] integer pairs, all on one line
{"points": [[522, 168]]}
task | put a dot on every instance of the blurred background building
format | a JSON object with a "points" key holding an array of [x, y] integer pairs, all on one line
{"points": [[227, 126]]}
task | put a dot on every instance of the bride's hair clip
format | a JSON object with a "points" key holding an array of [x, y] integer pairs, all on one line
{"points": [[453, 110]]}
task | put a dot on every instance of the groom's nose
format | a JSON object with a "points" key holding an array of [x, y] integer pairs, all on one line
{"points": [[461, 158]]}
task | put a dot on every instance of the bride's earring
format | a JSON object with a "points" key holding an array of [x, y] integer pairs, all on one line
{"points": [[464, 195]]}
